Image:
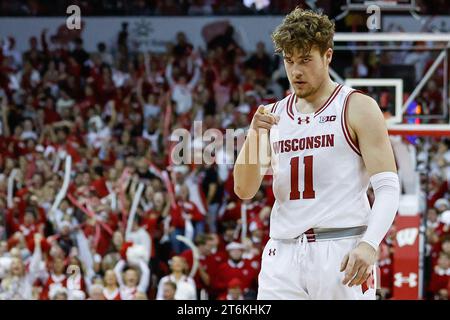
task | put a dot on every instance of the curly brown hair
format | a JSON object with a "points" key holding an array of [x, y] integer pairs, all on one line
{"points": [[301, 30]]}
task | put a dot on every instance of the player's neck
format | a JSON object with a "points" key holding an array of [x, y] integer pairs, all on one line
{"points": [[315, 101]]}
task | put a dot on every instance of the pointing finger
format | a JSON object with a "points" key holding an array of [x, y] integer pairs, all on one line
{"points": [[261, 110]]}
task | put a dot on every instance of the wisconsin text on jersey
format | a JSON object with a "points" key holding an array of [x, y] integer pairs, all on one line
{"points": [[314, 142]]}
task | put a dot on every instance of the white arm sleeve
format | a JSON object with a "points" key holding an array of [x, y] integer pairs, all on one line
{"points": [[386, 188]]}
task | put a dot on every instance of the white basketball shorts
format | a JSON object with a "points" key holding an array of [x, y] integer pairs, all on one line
{"points": [[301, 270]]}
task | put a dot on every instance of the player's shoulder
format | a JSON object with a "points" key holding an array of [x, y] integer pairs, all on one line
{"points": [[361, 104], [362, 108], [357, 97]]}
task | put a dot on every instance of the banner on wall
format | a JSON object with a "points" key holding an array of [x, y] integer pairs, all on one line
{"points": [[406, 275]]}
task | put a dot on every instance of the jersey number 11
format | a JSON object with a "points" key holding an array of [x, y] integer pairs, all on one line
{"points": [[309, 192]]}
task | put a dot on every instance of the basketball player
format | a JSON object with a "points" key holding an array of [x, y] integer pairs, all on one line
{"points": [[326, 143]]}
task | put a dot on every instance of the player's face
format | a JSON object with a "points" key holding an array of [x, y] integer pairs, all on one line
{"points": [[307, 71]]}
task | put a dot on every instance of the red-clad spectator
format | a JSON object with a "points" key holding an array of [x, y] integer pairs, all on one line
{"points": [[438, 187], [207, 265], [440, 276], [435, 233], [235, 267], [131, 282], [55, 278], [232, 212], [218, 251], [111, 289], [99, 183], [186, 289], [234, 290], [189, 216], [113, 112]]}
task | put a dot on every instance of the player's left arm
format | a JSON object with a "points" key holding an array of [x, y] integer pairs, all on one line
{"points": [[367, 126]]}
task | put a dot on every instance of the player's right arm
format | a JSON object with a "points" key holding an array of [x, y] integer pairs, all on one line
{"points": [[251, 164]]}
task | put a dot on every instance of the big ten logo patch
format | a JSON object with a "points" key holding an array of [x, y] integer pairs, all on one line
{"points": [[323, 119]]}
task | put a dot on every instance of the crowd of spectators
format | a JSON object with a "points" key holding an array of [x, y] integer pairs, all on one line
{"points": [[115, 233], [433, 164], [148, 7], [113, 116], [193, 7]]}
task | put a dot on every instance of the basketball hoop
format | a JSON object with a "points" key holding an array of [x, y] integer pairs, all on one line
{"points": [[420, 130], [385, 5], [389, 6], [400, 121]]}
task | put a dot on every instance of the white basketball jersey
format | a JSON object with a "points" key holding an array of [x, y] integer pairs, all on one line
{"points": [[319, 178]]}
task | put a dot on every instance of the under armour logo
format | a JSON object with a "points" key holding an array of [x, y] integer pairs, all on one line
{"points": [[407, 236], [300, 120], [400, 279], [272, 252]]}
